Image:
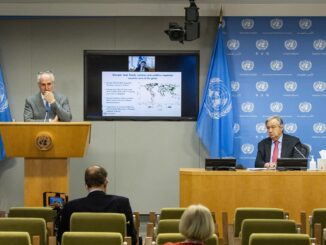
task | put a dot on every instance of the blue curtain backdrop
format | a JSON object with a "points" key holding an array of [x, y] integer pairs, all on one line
{"points": [[4, 110], [277, 66], [215, 119]]}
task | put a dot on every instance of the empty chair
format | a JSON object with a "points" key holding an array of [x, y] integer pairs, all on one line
{"points": [[34, 226], [250, 226], [279, 239], [318, 224], [89, 238], [178, 237], [231, 231], [168, 226], [14, 238], [47, 213], [100, 222]]}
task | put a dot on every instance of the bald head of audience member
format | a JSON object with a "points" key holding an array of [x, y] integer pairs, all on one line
{"points": [[96, 178]]}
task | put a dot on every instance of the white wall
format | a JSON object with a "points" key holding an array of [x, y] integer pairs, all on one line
{"points": [[142, 158]]}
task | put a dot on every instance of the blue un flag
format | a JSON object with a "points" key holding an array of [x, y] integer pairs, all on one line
{"points": [[5, 115], [215, 119]]}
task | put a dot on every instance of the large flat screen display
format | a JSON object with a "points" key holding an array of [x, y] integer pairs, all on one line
{"points": [[147, 85]]}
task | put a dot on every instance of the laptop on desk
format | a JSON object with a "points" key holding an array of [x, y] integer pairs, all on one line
{"points": [[284, 164], [222, 164]]}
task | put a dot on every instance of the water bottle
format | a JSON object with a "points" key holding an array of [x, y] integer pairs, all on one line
{"points": [[312, 163]]}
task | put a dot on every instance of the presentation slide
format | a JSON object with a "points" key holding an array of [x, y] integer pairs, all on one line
{"points": [[153, 94]]}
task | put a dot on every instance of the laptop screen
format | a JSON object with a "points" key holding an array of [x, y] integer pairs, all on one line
{"points": [[292, 164]]}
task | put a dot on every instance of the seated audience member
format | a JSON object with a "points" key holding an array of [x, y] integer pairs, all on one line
{"points": [[97, 201], [277, 145], [196, 225]]}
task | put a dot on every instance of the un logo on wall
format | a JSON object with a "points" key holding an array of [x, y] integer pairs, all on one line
{"points": [[290, 86], [3, 98], [305, 65], [261, 44], [319, 44], [261, 128], [319, 86], [319, 128], [247, 149], [247, 107], [290, 128], [276, 65], [290, 44], [276, 23], [218, 100], [236, 128], [233, 44], [305, 107], [261, 86], [247, 24], [247, 65], [235, 86], [305, 23], [276, 106]]}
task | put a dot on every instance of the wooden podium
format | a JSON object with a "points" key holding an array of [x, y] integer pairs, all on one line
{"points": [[46, 148]]}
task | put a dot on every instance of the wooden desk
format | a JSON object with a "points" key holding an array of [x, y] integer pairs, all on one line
{"points": [[294, 191]]}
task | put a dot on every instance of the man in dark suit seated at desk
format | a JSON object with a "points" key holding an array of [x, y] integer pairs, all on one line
{"points": [[97, 201], [277, 145]]}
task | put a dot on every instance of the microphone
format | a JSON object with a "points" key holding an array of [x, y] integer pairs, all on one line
{"points": [[46, 115], [301, 154], [47, 108]]}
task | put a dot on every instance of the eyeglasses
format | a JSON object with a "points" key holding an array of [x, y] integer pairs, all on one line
{"points": [[273, 126]]}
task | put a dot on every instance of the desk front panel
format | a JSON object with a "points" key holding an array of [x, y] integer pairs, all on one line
{"points": [[294, 191]]}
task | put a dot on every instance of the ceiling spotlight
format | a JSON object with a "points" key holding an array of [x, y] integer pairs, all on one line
{"points": [[175, 32]]}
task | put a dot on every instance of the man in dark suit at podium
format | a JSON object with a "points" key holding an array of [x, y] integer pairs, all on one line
{"points": [[277, 145], [97, 201], [47, 106]]}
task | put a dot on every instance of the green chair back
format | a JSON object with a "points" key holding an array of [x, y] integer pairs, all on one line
{"points": [[255, 213], [34, 226], [90, 238], [99, 222], [14, 238], [318, 217], [250, 226], [171, 213], [178, 237], [46, 213], [279, 239], [168, 226]]}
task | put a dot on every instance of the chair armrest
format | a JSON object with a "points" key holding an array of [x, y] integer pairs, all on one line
{"points": [[127, 239], [148, 240], [231, 236], [317, 228], [36, 240], [52, 240], [150, 230], [225, 228], [303, 221], [50, 228]]}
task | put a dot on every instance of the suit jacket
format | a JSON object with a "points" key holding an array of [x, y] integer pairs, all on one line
{"points": [[35, 111], [98, 201], [288, 151]]}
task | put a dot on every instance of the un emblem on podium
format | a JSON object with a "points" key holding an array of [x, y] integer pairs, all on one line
{"points": [[43, 141]]}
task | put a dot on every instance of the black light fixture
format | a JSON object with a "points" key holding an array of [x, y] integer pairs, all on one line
{"points": [[191, 29]]}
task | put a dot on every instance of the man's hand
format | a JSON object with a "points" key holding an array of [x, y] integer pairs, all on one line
{"points": [[55, 119], [270, 165], [49, 97]]}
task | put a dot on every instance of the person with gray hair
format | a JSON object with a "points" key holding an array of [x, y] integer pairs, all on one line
{"points": [[277, 145], [196, 225], [47, 105]]}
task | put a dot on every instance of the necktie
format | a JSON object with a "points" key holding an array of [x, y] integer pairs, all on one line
{"points": [[47, 106], [275, 151]]}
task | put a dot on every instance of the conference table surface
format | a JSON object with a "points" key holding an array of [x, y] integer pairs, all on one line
{"points": [[224, 191]]}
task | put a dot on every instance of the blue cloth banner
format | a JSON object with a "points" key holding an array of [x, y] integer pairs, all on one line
{"points": [[215, 119], [5, 115]]}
